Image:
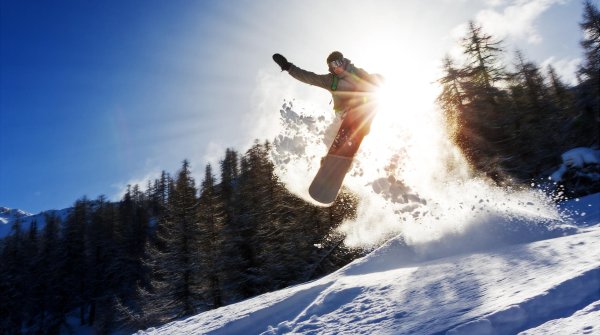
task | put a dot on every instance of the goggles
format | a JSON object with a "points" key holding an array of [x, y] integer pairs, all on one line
{"points": [[336, 63]]}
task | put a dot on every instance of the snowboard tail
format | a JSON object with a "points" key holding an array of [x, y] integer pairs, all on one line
{"points": [[329, 179], [334, 167]]}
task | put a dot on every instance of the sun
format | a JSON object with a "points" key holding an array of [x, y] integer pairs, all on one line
{"points": [[409, 83], [405, 124], [389, 101]]}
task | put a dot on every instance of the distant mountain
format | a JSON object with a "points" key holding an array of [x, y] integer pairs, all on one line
{"points": [[8, 216]]}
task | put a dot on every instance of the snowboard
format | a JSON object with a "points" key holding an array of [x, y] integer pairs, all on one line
{"points": [[338, 161]]}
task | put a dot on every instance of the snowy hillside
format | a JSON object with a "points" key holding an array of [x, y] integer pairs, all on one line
{"points": [[548, 285], [9, 216]]}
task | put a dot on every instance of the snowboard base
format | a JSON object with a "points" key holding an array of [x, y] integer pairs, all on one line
{"points": [[329, 179]]}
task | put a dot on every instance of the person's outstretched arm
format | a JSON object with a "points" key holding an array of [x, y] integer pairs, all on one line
{"points": [[320, 80]]}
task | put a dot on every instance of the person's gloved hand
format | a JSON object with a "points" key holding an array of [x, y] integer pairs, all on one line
{"points": [[282, 62]]}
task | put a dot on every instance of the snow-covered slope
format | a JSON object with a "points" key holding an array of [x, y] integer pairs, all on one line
{"points": [[9, 216], [549, 286]]}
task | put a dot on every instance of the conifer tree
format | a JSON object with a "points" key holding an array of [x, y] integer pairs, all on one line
{"points": [[159, 203], [29, 249], [133, 230], [588, 122], [74, 292], [562, 98], [558, 89], [156, 263], [239, 258], [211, 219], [452, 96], [265, 238], [483, 104], [176, 283], [12, 281], [282, 251], [235, 253], [530, 123], [50, 262], [104, 275], [591, 42], [229, 173], [529, 89], [483, 66], [158, 194], [240, 236]]}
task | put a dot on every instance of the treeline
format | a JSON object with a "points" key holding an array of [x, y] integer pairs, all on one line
{"points": [[173, 250], [513, 125]]}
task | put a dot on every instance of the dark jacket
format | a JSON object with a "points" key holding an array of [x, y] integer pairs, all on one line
{"points": [[354, 89]]}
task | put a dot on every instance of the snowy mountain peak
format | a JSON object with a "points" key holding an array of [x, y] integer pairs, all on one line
{"points": [[8, 215]]}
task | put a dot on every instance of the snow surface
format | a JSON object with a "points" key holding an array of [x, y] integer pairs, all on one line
{"points": [[549, 286], [9, 216], [584, 321], [577, 157]]}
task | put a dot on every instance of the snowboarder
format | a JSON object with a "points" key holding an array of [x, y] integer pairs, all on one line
{"points": [[351, 88], [352, 91]]}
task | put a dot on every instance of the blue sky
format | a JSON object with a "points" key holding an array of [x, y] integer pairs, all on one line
{"points": [[96, 95]]}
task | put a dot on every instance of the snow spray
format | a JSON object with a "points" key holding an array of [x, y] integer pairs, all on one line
{"points": [[412, 182]]}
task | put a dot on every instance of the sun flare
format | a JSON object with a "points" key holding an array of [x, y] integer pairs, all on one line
{"points": [[406, 125]]}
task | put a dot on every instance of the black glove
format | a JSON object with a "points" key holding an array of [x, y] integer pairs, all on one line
{"points": [[282, 62]]}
